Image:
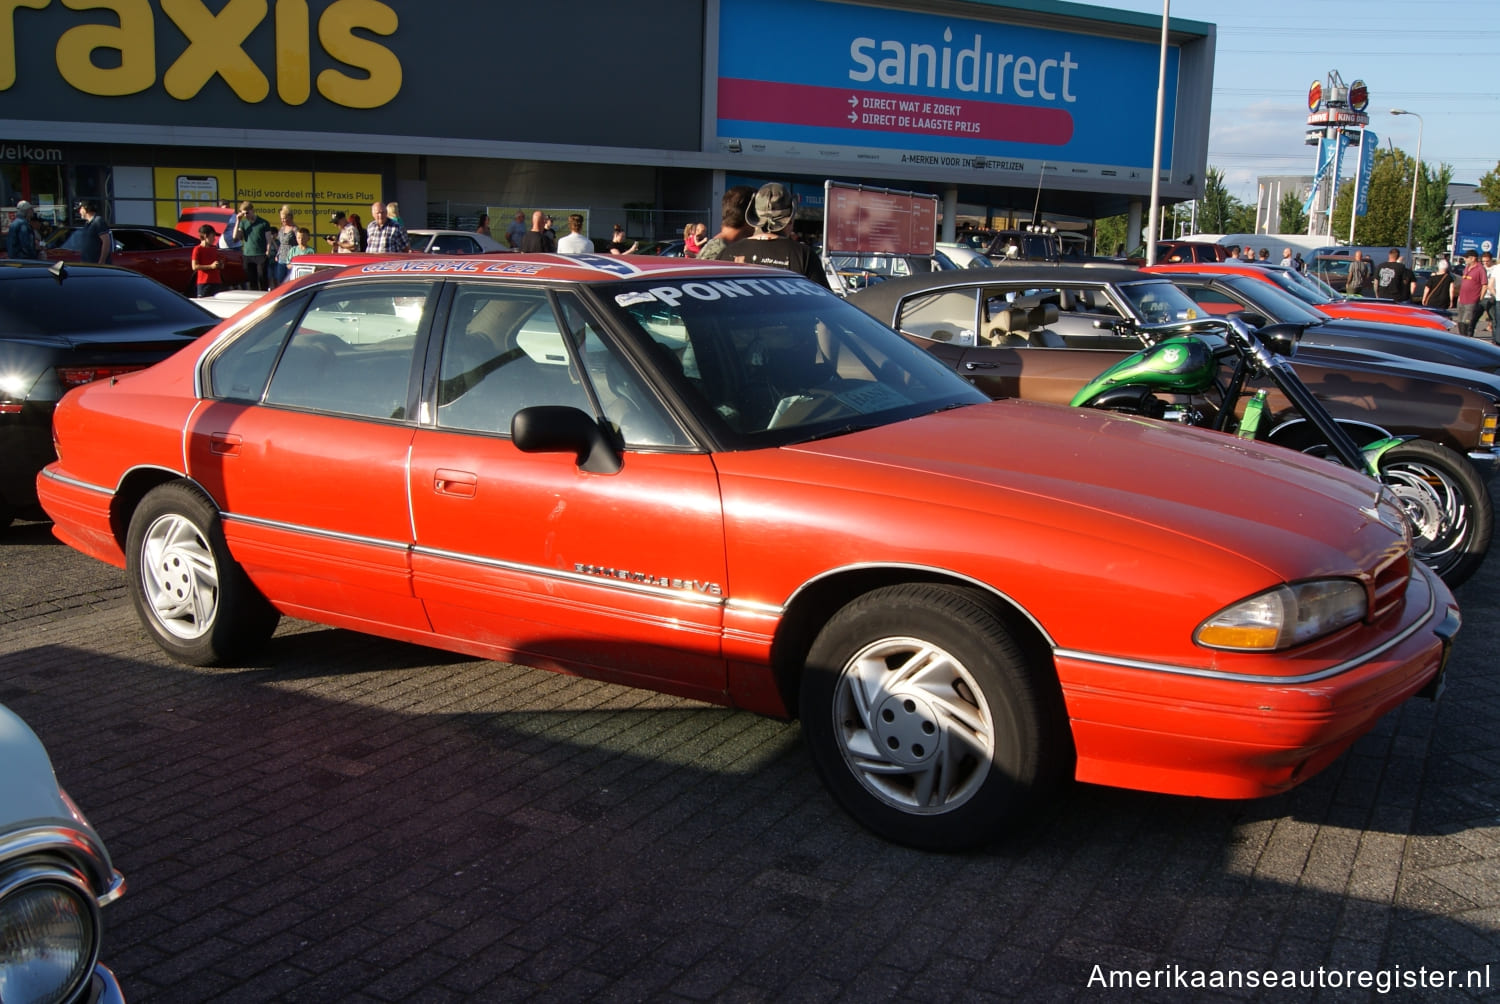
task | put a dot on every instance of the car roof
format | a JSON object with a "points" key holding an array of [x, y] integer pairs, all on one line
{"points": [[555, 267], [12, 269], [885, 294]]}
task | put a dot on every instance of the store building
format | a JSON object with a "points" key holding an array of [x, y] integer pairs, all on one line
{"points": [[639, 113]]}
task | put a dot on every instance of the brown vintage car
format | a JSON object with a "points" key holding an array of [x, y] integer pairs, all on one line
{"points": [[1043, 332]]}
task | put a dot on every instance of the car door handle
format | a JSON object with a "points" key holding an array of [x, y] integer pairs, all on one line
{"points": [[981, 366], [224, 444], [460, 484]]}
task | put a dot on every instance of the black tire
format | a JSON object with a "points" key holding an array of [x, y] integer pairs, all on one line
{"points": [[191, 595], [925, 720], [1447, 502]]}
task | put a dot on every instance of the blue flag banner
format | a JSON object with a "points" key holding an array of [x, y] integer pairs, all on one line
{"points": [[1326, 148], [1367, 147]]}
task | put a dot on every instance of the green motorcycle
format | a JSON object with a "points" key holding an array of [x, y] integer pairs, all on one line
{"points": [[1199, 374]]}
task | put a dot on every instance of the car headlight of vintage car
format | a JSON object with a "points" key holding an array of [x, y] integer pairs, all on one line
{"points": [[49, 932], [1285, 616]]}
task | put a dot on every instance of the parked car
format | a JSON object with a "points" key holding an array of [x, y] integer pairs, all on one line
{"points": [[162, 253], [965, 601], [664, 249], [1226, 294], [63, 326], [55, 878], [1318, 295], [193, 217], [451, 242], [1177, 251], [962, 255], [961, 318]]}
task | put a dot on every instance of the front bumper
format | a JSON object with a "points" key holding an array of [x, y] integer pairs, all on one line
{"points": [[1219, 737], [104, 988], [1486, 462]]}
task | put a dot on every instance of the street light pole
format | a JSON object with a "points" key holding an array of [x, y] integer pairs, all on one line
{"points": [[1416, 176]]}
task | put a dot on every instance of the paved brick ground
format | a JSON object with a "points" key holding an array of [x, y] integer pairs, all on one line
{"points": [[358, 820]]}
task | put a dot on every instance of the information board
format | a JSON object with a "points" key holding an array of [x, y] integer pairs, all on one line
{"points": [[858, 220]]}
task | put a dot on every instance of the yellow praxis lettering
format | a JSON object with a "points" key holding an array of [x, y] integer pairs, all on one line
{"points": [[8, 37], [336, 33], [215, 46], [133, 38], [293, 63]]}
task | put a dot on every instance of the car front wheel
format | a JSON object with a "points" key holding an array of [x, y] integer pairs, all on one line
{"points": [[925, 719], [188, 591]]}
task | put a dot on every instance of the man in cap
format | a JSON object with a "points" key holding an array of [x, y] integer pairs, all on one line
{"points": [[20, 239], [770, 213], [1470, 291]]}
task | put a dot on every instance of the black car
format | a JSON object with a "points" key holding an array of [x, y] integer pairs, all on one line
{"points": [[1041, 332], [1225, 294], [63, 325]]}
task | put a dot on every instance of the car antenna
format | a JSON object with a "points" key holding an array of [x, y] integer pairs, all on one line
{"points": [[59, 271], [1036, 208]]}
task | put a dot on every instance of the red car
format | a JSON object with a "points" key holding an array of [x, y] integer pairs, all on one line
{"points": [[1316, 295], [193, 217], [724, 482], [164, 254]]}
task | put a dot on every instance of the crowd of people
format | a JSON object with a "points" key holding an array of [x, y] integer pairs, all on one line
{"points": [[755, 226]]}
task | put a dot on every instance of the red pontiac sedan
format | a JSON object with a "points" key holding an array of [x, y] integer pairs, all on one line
{"points": [[724, 482]]}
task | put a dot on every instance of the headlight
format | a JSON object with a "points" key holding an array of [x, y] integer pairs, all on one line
{"points": [[1285, 616], [49, 934]]}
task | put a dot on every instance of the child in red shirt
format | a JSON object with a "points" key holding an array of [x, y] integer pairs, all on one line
{"points": [[206, 262]]}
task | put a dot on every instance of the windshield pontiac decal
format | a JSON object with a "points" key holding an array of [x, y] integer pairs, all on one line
{"points": [[646, 579]]}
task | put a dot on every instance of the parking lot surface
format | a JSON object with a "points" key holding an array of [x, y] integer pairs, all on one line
{"points": [[359, 820]]}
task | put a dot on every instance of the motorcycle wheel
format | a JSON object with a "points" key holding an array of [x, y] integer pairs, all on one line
{"points": [[1447, 502]]}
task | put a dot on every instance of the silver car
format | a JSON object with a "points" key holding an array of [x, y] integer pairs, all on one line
{"points": [[54, 876]]}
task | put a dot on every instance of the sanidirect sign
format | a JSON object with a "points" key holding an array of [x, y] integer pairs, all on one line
{"points": [[874, 84]]}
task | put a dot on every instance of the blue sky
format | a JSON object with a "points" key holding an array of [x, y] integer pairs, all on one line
{"points": [[1440, 60]]}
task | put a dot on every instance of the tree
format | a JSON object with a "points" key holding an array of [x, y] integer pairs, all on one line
{"points": [[1293, 219], [1489, 187], [1388, 201], [1109, 233], [1217, 207], [1434, 228]]}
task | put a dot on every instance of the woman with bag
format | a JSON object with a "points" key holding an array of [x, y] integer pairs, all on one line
{"points": [[1440, 288]]}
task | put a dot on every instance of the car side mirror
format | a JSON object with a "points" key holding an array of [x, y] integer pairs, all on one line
{"points": [[1281, 339], [551, 428], [1251, 318]]}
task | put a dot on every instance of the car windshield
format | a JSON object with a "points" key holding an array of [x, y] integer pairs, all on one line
{"points": [[106, 301], [1277, 304], [769, 361], [1160, 302], [1296, 285]]}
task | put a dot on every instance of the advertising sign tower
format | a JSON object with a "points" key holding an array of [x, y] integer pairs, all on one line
{"points": [[1337, 120]]}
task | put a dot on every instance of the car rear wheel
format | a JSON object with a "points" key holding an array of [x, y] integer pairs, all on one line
{"points": [[188, 591], [925, 719]]}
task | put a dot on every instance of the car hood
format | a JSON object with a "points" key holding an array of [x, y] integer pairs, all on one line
{"points": [[1377, 360], [1115, 475], [1473, 352], [29, 795]]}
